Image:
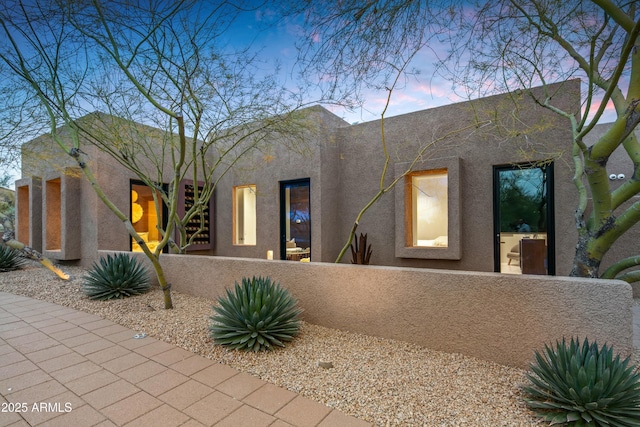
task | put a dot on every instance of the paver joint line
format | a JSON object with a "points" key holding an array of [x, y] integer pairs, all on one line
{"points": [[86, 365]]}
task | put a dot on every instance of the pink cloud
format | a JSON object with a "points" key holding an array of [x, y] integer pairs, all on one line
{"points": [[608, 115]]}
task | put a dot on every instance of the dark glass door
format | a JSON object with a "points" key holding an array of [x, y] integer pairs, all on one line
{"points": [[295, 220], [524, 238]]}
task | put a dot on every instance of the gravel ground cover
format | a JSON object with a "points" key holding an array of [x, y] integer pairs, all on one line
{"points": [[386, 382]]}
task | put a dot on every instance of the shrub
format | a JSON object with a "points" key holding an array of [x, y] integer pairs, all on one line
{"points": [[119, 276], [10, 259], [580, 385], [257, 316]]}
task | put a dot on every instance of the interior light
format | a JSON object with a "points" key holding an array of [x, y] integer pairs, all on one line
{"points": [[136, 209]]}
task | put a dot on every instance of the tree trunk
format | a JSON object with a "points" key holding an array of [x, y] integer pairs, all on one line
{"points": [[32, 254], [162, 281], [586, 262]]}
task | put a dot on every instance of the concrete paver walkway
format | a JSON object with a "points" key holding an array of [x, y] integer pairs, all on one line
{"points": [[63, 367]]}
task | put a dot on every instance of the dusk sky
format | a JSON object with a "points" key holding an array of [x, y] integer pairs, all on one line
{"points": [[417, 92]]}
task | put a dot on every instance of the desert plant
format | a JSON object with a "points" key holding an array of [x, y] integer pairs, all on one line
{"points": [[10, 259], [119, 276], [257, 316], [584, 385], [360, 252]]}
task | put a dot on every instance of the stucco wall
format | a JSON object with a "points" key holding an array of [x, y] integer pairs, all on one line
{"points": [[312, 155], [511, 129], [344, 163], [501, 318]]}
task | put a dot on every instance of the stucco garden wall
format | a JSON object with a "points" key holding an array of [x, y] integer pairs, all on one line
{"points": [[496, 317]]}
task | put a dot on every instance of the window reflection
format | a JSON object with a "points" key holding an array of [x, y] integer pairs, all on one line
{"points": [[296, 220], [522, 219]]}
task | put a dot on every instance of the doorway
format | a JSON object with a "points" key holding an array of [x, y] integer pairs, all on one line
{"points": [[524, 237], [295, 220]]}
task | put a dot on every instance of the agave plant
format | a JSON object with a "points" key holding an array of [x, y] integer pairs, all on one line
{"points": [[119, 276], [584, 385], [257, 316], [10, 259]]}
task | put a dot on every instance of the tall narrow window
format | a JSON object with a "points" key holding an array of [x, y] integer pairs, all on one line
{"points": [[146, 219], [244, 215], [524, 238], [295, 219], [428, 210]]}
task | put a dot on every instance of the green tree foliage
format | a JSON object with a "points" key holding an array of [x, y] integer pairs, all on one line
{"points": [[523, 196]]}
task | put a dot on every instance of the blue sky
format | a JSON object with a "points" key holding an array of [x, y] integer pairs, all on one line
{"points": [[418, 92]]}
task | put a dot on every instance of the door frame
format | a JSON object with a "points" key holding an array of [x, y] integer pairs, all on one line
{"points": [[550, 219], [301, 182]]}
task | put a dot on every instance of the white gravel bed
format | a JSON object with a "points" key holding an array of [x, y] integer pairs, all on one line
{"points": [[386, 382]]}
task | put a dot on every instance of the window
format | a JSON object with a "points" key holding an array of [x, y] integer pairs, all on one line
{"points": [[145, 218], [428, 202], [244, 215], [428, 214], [523, 218], [295, 219], [199, 229]]}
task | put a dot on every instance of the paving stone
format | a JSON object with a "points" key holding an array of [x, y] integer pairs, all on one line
{"points": [[269, 398], [186, 394], [131, 407], [213, 408], [303, 412]]}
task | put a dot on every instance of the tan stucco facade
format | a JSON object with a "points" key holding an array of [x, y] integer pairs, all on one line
{"points": [[491, 316], [449, 301], [343, 164]]}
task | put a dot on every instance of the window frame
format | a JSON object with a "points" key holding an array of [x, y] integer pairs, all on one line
{"points": [[404, 204], [234, 215], [164, 212], [410, 204]]}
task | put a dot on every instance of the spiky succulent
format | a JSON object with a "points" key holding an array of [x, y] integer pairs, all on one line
{"points": [[119, 276], [258, 315], [10, 259], [584, 385]]}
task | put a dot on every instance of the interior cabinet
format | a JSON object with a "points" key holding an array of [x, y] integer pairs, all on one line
{"points": [[533, 254], [202, 240]]}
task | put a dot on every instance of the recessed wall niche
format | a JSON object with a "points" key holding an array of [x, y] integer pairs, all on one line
{"points": [[200, 230], [61, 215], [427, 250], [28, 224]]}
